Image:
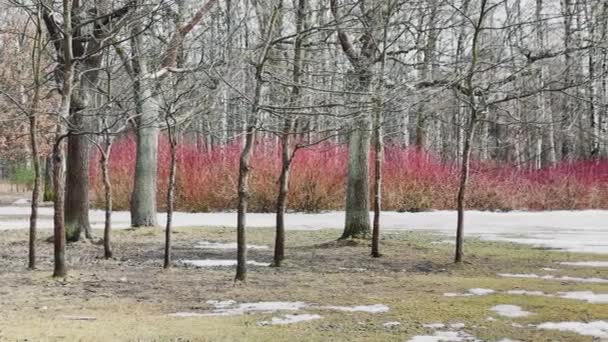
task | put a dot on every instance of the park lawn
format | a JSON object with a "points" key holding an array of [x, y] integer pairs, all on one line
{"points": [[130, 297]]}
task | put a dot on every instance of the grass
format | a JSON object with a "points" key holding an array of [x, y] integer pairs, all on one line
{"points": [[130, 297]]}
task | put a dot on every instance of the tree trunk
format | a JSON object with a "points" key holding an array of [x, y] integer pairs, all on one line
{"points": [[58, 206], [48, 195], [377, 180], [77, 189], [143, 198], [33, 130], [357, 188], [279, 242], [243, 193], [287, 154], [107, 185], [36, 189], [462, 185], [170, 191]]}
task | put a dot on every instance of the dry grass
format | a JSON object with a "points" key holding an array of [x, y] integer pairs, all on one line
{"points": [[130, 297]]}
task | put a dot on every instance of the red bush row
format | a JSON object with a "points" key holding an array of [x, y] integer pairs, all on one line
{"points": [[413, 180]]}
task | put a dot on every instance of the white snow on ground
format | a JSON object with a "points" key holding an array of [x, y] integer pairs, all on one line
{"points": [[586, 263], [597, 329], [221, 245], [549, 269], [577, 231], [375, 308], [219, 263], [511, 311], [434, 325], [444, 336], [481, 292], [390, 325], [550, 277], [231, 308], [289, 319], [587, 296]]}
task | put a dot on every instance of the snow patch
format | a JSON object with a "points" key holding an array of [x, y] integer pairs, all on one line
{"points": [[597, 329], [480, 291], [444, 336], [588, 296], [219, 263], [390, 325], [585, 263], [289, 319], [551, 277], [375, 308], [434, 325], [511, 311], [221, 245], [231, 308], [548, 269]]}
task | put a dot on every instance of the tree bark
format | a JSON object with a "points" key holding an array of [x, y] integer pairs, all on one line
{"points": [[170, 189], [107, 185]]}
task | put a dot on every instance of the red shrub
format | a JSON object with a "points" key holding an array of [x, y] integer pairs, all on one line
{"points": [[413, 180]]}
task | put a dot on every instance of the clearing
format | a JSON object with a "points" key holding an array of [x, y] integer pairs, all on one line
{"points": [[328, 290]]}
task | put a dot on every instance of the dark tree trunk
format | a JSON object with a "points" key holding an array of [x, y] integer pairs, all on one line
{"points": [[464, 176], [35, 190], [77, 189], [377, 182], [170, 193], [48, 195]]}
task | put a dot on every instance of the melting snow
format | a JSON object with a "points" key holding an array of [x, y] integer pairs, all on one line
{"points": [[597, 329], [444, 336], [588, 296], [551, 277], [219, 263], [221, 245], [585, 263], [289, 319], [512, 311], [231, 308], [375, 308], [391, 324], [549, 269]]}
